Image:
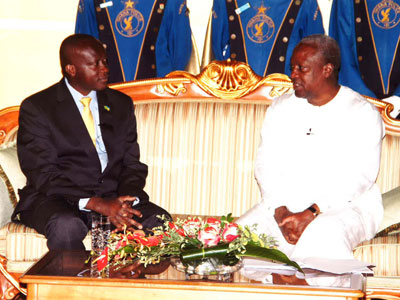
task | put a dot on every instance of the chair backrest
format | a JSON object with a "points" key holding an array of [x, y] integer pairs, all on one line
{"points": [[199, 136]]}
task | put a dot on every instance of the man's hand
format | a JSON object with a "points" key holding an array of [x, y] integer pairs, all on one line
{"points": [[119, 210], [291, 224], [132, 271], [138, 270]]}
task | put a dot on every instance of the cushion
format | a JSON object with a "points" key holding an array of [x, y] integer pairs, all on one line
{"points": [[384, 249], [24, 246], [11, 179], [10, 165], [6, 205], [383, 252], [391, 217]]}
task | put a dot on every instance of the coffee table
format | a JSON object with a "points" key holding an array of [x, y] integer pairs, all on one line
{"points": [[55, 276]]}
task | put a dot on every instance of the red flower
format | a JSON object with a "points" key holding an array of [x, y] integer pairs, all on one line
{"points": [[120, 244], [179, 230], [150, 241], [138, 233], [214, 223], [103, 259], [209, 237], [191, 227], [130, 237], [230, 232]]}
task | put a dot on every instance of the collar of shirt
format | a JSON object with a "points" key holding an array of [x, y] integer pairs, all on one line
{"points": [[94, 108]]}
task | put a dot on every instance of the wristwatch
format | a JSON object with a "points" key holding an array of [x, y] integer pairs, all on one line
{"points": [[314, 211]]}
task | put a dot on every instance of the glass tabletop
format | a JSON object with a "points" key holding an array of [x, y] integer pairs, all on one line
{"points": [[77, 264]]}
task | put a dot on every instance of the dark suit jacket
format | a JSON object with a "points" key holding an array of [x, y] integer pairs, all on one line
{"points": [[57, 155]]}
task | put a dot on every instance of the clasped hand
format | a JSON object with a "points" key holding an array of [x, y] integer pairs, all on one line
{"points": [[119, 210], [292, 225]]}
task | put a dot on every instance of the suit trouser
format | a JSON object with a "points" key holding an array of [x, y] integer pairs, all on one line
{"points": [[65, 226]]}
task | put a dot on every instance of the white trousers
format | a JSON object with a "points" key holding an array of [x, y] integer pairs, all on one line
{"points": [[332, 235]]}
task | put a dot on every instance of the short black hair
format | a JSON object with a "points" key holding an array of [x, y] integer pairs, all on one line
{"points": [[72, 42]]}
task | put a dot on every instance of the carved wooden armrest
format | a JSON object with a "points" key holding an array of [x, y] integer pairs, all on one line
{"points": [[9, 286]]}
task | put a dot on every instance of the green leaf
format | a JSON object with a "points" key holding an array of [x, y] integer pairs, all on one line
{"points": [[127, 249], [221, 251], [270, 254]]}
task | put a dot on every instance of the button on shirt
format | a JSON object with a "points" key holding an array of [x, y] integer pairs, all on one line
{"points": [[100, 147]]}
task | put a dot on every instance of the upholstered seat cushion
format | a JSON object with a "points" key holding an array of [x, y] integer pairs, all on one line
{"points": [[11, 179], [20, 244], [391, 218], [24, 246], [384, 250]]}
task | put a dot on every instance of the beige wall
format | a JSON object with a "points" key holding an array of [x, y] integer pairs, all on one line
{"points": [[30, 35]]}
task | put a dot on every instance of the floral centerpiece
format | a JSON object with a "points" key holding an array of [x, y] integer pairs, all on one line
{"points": [[191, 241]]}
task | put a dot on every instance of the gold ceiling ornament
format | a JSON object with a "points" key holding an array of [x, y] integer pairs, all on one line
{"points": [[232, 80]]}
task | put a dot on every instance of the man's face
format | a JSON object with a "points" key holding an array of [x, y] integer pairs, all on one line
{"points": [[307, 72], [89, 68]]}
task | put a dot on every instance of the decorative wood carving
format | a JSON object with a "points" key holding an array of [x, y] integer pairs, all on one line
{"points": [[172, 88], [231, 80], [385, 108], [8, 123], [9, 286]]}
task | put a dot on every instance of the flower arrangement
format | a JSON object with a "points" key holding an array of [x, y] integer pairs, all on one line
{"points": [[192, 239]]}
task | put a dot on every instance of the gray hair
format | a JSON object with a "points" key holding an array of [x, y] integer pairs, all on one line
{"points": [[327, 47]]}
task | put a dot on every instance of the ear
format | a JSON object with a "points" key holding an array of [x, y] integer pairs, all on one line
{"points": [[327, 70], [70, 70]]}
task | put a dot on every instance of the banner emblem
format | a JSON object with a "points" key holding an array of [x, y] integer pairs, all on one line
{"points": [[261, 27], [129, 22], [386, 14]]}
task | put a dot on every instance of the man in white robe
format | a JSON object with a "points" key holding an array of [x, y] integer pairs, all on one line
{"points": [[318, 161]]}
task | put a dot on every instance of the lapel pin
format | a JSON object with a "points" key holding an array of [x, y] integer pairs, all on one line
{"points": [[106, 107]]}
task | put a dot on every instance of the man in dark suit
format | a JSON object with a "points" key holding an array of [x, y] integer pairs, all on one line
{"points": [[74, 168]]}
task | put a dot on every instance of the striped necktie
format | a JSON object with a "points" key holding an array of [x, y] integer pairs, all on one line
{"points": [[88, 118]]}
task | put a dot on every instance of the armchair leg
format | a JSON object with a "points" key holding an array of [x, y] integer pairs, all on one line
{"points": [[9, 286]]}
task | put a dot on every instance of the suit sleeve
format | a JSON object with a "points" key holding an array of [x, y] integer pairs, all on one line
{"points": [[133, 175], [342, 29], [37, 154]]}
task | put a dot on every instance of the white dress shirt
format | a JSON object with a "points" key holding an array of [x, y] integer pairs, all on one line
{"points": [[100, 147], [328, 155]]}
